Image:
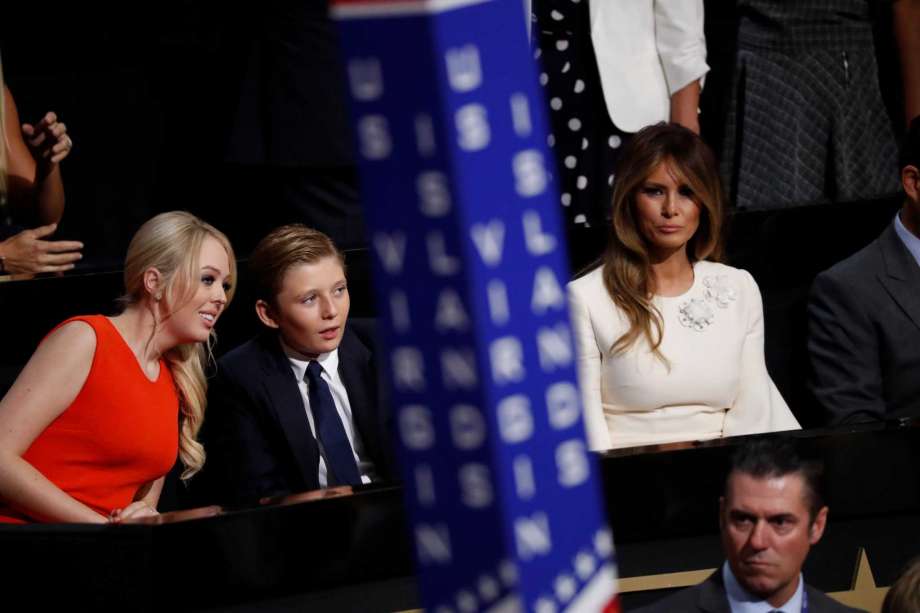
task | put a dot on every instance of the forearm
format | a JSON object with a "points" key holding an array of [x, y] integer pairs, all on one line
{"points": [[907, 32], [685, 104], [27, 490], [149, 494], [34, 180], [49, 195]]}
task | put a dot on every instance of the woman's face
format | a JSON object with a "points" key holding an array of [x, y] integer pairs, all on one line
{"points": [[193, 320], [667, 212]]}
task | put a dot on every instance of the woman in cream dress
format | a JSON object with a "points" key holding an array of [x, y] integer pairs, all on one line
{"points": [[670, 342]]}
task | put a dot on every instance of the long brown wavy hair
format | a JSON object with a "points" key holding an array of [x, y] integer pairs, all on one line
{"points": [[627, 270]]}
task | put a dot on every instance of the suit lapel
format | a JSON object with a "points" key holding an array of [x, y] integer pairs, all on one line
{"points": [[287, 403], [712, 597], [353, 358], [902, 274]]}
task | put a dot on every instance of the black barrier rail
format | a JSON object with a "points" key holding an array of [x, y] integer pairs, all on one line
{"points": [[329, 551]]}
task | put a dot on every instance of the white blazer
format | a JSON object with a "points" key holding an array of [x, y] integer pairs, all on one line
{"points": [[646, 50]]}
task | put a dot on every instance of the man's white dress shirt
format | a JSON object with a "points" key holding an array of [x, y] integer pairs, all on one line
{"points": [[330, 363]]}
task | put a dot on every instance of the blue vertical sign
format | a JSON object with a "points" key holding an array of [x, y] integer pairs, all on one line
{"points": [[470, 273]]}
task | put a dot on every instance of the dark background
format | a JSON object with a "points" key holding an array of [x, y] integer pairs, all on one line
{"points": [[138, 87], [146, 91]]}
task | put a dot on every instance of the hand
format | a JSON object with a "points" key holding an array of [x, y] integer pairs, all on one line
{"points": [[135, 510], [48, 139], [28, 253], [329, 492]]}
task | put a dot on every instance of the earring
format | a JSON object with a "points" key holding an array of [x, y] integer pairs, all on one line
{"points": [[158, 297]]}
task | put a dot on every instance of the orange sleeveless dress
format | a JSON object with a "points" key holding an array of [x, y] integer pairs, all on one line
{"points": [[120, 432]]}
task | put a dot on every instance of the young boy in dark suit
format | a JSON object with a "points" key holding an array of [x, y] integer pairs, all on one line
{"points": [[297, 407]]}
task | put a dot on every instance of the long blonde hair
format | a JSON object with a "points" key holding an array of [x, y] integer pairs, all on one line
{"points": [[171, 243], [627, 268]]}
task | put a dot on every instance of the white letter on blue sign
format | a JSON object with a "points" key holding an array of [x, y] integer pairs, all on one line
{"points": [[489, 239], [467, 427], [572, 463], [464, 72], [391, 249], [450, 314], [433, 543], [441, 263], [498, 302], [555, 347], [466, 603], [520, 115], [532, 536], [547, 293], [562, 405], [524, 483], [530, 177], [408, 369], [399, 311], [433, 193], [515, 422], [458, 369], [424, 135], [366, 78], [415, 427], [475, 485], [538, 242], [374, 134], [507, 357], [424, 485], [472, 127]]}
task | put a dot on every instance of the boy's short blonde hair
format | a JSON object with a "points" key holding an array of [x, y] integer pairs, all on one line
{"points": [[283, 248]]}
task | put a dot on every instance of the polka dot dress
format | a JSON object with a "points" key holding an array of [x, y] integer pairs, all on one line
{"points": [[583, 139]]}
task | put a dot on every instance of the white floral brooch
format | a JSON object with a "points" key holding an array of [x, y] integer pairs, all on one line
{"points": [[697, 313], [718, 291]]}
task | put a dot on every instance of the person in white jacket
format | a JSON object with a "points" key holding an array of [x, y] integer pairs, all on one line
{"points": [[651, 56], [669, 341], [610, 67]]}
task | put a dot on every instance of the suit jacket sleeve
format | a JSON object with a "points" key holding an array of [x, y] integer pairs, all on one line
{"points": [[758, 407], [843, 347], [244, 460], [588, 362], [819, 602], [680, 41]]}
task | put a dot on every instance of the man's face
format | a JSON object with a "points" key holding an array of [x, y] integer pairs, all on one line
{"points": [[767, 532], [311, 308]]}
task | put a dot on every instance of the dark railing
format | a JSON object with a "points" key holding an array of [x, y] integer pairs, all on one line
{"points": [[327, 551]]}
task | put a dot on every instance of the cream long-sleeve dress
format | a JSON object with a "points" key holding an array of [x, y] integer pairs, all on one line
{"points": [[717, 384]]}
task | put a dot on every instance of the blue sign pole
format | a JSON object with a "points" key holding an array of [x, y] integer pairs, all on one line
{"points": [[470, 271]]}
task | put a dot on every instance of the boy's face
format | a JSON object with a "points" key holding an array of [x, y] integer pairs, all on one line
{"points": [[311, 309]]}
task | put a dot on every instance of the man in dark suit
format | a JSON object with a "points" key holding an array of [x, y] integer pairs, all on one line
{"points": [[769, 517], [296, 408], [864, 317]]}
